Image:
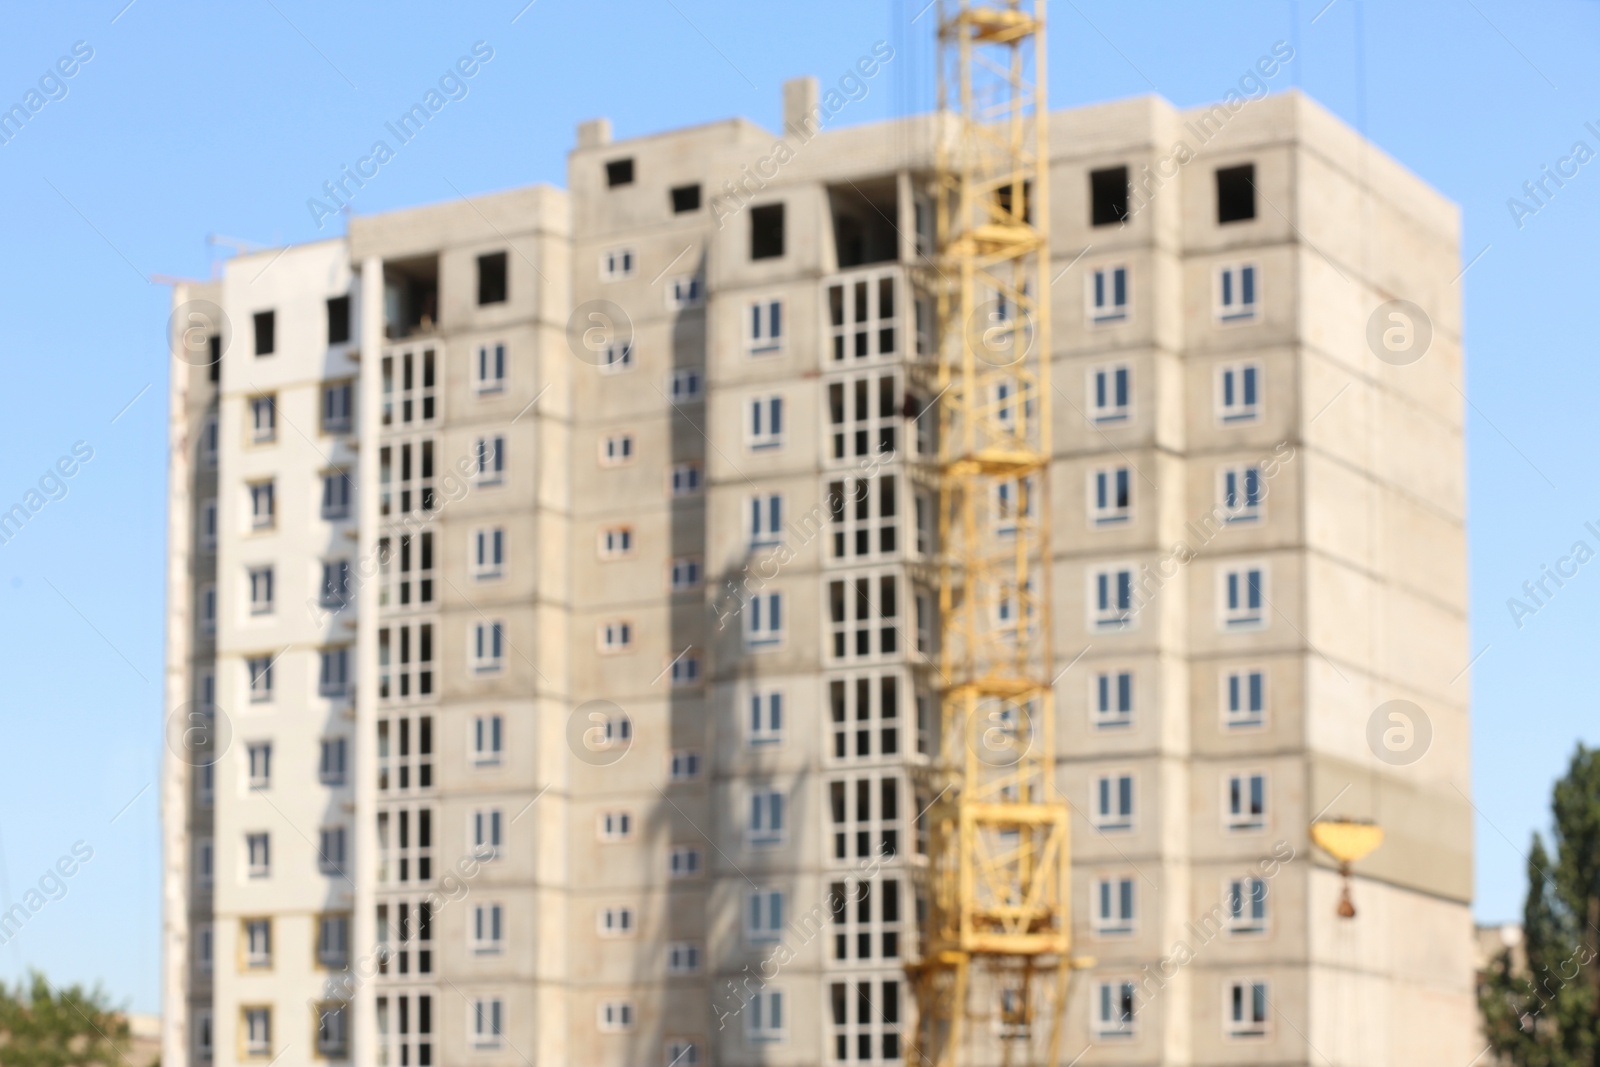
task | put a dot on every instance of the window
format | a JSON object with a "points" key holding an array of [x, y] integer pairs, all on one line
{"points": [[488, 929], [616, 637], [1238, 392], [863, 616], [685, 861], [1108, 295], [864, 817], [488, 739], [1247, 905], [765, 424], [333, 940], [685, 669], [333, 672], [1246, 802], [1247, 1009], [1244, 698], [619, 172], [616, 264], [487, 1020], [766, 818], [614, 826], [1108, 196], [683, 765], [338, 407], [486, 840], [257, 1031], [488, 553], [208, 441], [766, 520], [865, 1017], [764, 1017], [263, 419], [1110, 496], [1111, 598], [260, 590], [260, 671], [766, 231], [333, 761], [1243, 592], [208, 526], [766, 718], [1015, 499], [763, 916], [1113, 1010], [266, 323], [338, 320], [864, 716], [679, 1053], [614, 922], [257, 943], [1112, 910], [684, 479], [492, 278], [615, 542], [203, 855], [861, 318], [1236, 293], [1242, 493], [336, 591], [491, 369], [684, 386], [333, 1030], [263, 514], [616, 357], [616, 450], [864, 517], [258, 758], [1111, 699], [330, 850], [1110, 399], [207, 607], [204, 956], [684, 574], [616, 1016], [1236, 193], [258, 855], [488, 647], [491, 453], [202, 1036], [413, 1042], [1113, 802], [763, 626], [766, 327], [415, 396], [405, 661], [684, 292], [683, 957], [865, 917], [685, 198], [335, 495], [414, 484]]}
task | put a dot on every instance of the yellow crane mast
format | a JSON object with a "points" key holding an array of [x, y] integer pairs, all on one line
{"points": [[996, 934]]}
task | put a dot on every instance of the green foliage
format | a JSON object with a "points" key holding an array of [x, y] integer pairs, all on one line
{"points": [[1547, 1013], [41, 1027]]}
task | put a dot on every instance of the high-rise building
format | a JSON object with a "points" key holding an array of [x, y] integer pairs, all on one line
{"points": [[553, 606]]}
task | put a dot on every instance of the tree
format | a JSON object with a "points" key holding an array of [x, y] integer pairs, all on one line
{"points": [[1547, 1013], [74, 1027]]}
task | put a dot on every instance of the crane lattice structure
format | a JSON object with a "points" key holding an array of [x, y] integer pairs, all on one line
{"points": [[996, 935]]}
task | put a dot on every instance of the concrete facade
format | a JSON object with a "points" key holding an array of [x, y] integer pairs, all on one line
{"points": [[639, 654]]}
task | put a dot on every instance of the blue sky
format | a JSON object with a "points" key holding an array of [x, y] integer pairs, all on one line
{"points": [[193, 119]]}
